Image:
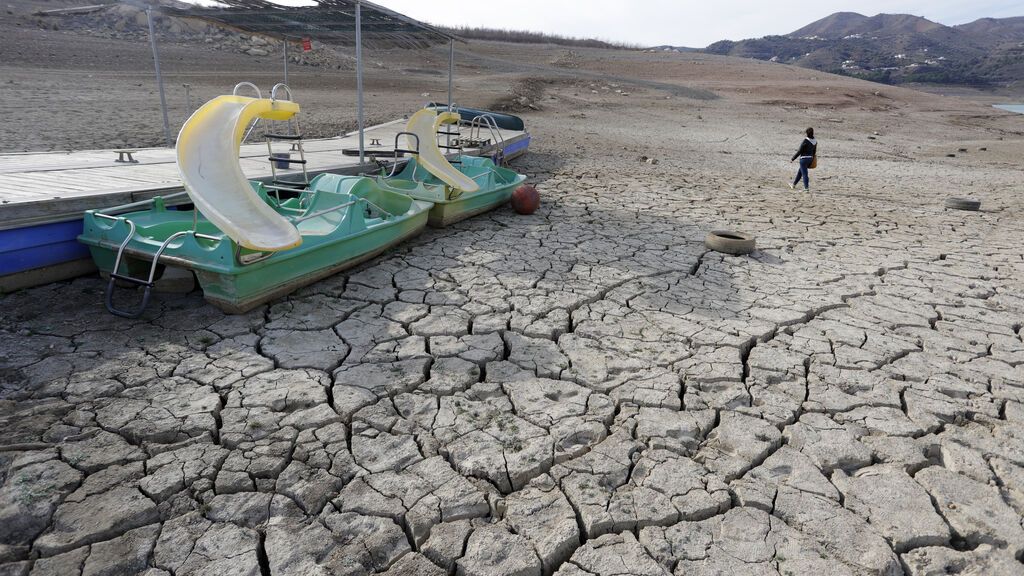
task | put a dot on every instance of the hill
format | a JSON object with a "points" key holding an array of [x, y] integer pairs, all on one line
{"points": [[842, 24], [995, 29], [897, 48]]}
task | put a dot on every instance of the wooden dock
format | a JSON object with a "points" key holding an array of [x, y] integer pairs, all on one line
{"points": [[43, 195], [47, 187]]}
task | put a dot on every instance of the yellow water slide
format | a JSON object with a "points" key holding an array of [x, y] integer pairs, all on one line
{"points": [[425, 124], [208, 150]]}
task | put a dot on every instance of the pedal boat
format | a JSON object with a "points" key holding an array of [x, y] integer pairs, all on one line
{"points": [[460, 189], [343, 220], [452, 205]]}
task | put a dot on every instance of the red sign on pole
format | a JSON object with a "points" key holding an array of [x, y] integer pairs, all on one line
{"points": [[307, 45]]}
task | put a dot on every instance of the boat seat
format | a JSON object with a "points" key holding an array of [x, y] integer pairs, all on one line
{"points": [[336, 183], [330, 221], [324, 199]]}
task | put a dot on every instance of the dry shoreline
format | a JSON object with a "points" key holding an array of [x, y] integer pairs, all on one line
{"points": [[586, 390]]}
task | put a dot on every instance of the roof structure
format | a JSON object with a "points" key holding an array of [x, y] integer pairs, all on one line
{"points": [[329, 21]]}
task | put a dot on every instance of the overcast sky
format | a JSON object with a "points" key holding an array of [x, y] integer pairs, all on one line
{"points": [[681, 22]]}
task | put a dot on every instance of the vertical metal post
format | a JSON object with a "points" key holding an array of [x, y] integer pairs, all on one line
{"points": [[285, 42], [451, 75], [188, 99], [451, 70], [359, 78], [159, 78]]}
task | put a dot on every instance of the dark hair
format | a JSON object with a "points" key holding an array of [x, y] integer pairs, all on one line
{"points": [[810, 132]]}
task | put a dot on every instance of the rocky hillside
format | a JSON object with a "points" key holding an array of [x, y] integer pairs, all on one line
{"points": [[119, 21], [897, 48]]}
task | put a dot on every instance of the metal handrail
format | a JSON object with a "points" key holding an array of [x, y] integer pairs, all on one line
{"points": [[148, 283], [249, 131], [416, 152], [488, 173], [132, 227], [273, 91], [322, 212], [334, 209], [234, 92], [492, 127], [127, 239], [137, 204], [240, 262]]}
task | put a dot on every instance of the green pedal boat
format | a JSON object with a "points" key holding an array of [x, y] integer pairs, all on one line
{"points": [[469, 186], [452, 204], [244, 242], [342, 220]]}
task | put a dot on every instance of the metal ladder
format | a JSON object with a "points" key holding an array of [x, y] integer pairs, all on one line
{"points": [[150, 281], [476, 127], [293, 136]]}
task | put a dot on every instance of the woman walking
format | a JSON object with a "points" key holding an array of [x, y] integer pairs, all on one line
{"points": [[808, 150]]}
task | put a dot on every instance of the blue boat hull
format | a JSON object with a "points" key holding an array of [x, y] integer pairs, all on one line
{"points": [[40, 246]]}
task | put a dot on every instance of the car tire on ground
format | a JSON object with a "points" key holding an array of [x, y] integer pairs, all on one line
{"points": [[963, 204], [729, 242]]}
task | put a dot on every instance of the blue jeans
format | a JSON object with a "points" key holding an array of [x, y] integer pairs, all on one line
{"points": [[802, 172]]}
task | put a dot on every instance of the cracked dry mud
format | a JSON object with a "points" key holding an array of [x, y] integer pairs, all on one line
{"points": [[584, 391]]}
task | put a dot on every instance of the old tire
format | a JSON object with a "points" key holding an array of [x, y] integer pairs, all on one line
{"points": [[963, 204], [729, 242]]}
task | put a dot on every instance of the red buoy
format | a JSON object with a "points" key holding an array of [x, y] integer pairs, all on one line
{"points": [[525, 199]]}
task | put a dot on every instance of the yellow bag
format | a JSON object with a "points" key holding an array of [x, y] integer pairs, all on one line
{"points": [[814, 162]]}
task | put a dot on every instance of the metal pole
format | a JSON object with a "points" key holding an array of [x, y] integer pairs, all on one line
{"points": [[188, 99], [359, 78], [159, 78], [451, 75], [285, 42], [451, 70]]}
